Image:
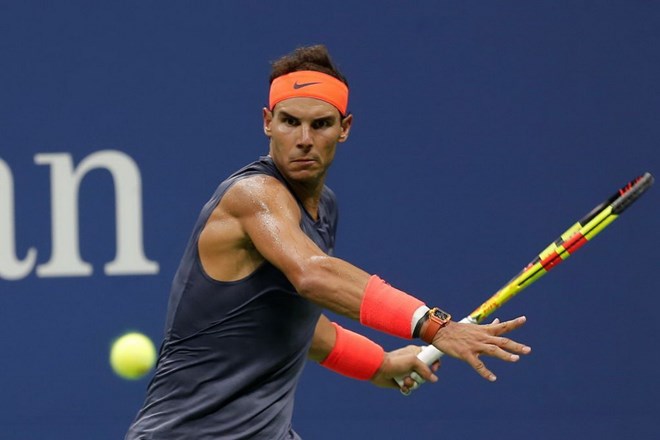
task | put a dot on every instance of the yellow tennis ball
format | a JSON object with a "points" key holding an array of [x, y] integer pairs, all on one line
{"points": [[132, 355]]}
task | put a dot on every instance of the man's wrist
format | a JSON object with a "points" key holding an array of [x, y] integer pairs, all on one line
{"points": [[354, 355], [388, 309], [419, 317], [432, 321]]}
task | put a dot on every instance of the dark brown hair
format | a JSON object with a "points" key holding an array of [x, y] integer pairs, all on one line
{"points": [[306, 58]]}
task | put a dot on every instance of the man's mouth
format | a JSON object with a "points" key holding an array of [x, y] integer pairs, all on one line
{"points": [[305, 160]]}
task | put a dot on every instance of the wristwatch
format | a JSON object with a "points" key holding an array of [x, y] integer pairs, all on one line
{"points": [[436, 319]]}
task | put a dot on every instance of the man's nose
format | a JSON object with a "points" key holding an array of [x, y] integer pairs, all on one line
{"points": [[305, 139]]}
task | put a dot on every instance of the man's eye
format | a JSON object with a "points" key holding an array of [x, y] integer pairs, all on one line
{"points": [[323, 123], [291, 121]]}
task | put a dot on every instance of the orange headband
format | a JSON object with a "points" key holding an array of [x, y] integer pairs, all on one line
{"points": [[309, 84]]}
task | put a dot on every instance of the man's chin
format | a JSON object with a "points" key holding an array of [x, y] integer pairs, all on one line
{"points": [[305, 175]]}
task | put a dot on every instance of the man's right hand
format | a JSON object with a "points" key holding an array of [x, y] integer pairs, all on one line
{"points": [[469, 341]]}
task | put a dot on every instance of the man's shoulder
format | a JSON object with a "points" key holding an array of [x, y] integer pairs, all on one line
{"points": [[264, 165], [256, 185], [255, 192], [255, 177]]}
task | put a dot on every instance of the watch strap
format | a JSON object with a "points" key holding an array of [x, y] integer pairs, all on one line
{"points": [[435, 320]]}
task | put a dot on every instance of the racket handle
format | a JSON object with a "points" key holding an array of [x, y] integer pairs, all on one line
{"points": [[428, 355]]}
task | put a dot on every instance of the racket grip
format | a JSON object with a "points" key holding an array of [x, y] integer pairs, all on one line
{"points": [[428, 355]]}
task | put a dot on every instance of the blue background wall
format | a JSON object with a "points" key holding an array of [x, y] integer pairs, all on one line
{"points": [[482, 130]]}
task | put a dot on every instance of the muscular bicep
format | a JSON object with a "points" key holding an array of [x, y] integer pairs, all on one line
{"points": [[270, 217]]}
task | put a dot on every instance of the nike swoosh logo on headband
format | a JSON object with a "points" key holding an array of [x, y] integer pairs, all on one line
{"points": [[301, 85]]}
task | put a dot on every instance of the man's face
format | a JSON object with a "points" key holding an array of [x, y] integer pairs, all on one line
{"points": [[303, 136]]}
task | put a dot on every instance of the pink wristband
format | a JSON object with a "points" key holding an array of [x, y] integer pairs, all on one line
{"points": [[388, 309], [353, 355]]}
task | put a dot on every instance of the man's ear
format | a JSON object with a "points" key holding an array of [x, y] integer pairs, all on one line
{"points": [[346, 124], [268, 119]]}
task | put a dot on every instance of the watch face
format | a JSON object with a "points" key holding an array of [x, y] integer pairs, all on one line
{"points": [[441, 315]]}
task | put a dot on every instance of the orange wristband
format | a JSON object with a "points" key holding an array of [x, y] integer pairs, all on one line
{"points": [[353, 355], [388, 309]]}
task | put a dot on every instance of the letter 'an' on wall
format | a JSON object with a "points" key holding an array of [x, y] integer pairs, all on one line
{"points": [[65, 182]]}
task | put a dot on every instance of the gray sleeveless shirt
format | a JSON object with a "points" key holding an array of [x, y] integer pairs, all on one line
{"points": [[233, 351]]}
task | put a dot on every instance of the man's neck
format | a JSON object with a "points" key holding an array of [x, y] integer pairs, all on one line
{"points": [[309, 194]]}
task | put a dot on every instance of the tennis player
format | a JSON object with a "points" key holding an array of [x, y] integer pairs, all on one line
{"points": [[245, 309]]}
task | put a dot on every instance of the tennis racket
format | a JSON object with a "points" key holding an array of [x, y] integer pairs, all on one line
{"points": [[566, 245]]}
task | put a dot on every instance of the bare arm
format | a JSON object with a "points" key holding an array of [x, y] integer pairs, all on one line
{"points": [[396, 363], [269, 215], [323, 340]]}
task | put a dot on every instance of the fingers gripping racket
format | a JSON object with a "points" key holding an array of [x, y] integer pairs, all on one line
{"points": [[567, 244]]}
